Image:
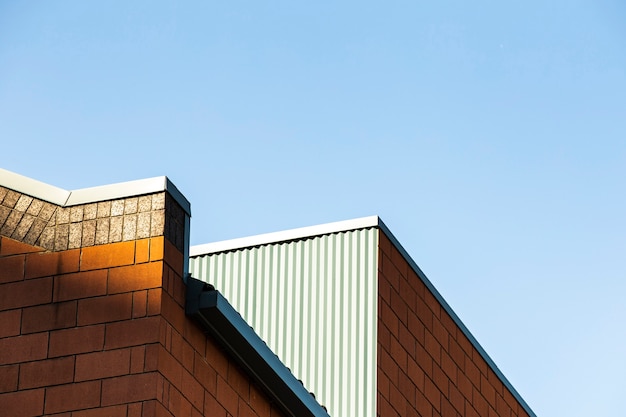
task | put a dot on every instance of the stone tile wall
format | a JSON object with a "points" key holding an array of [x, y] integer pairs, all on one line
{"points": [[54, 228]]}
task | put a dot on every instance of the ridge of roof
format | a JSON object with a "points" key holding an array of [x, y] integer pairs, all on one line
{"points": [[65, 198]]}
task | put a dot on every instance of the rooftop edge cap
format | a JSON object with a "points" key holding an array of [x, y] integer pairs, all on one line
{"points": [[33, 187], [66, 198], [286, 235]]}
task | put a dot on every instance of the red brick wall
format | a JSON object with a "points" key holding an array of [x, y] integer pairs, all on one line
{"points": [[199, 377], [426, 365], [76, 328], [101, 331]]}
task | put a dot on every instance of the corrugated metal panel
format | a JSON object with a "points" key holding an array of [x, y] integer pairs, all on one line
{"points": [[314, 302]]}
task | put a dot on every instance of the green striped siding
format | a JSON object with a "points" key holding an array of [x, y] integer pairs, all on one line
{"points": [[314, 302]]}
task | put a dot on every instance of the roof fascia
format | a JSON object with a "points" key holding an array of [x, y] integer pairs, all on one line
{"points": [[34, 188], [209, 307], [284, 236], [66, 198]]}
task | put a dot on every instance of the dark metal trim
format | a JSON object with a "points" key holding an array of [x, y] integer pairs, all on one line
{"points": [[215, 314]]}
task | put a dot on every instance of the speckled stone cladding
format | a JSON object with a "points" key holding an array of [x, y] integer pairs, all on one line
{"points": [[56, 228]]}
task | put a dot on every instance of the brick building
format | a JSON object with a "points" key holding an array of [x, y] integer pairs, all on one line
{"points": [[99, 316]]}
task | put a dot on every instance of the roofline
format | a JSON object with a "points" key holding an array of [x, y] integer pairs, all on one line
{"points": [[65, 198], [284, 236], [215, 314], [455, 318], [344, 226]]}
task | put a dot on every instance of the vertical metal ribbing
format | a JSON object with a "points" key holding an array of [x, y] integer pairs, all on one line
{"points": [[314, 302]]}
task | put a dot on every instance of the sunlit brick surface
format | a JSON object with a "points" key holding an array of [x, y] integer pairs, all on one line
{"points": [[92, 319]]}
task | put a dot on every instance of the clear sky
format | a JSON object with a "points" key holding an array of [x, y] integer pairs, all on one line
{"points": [[490, 137]]}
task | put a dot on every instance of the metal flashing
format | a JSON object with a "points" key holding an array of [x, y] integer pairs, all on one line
{"points": [[284, 236], [66, 198], [34, 188], [217, 316]]}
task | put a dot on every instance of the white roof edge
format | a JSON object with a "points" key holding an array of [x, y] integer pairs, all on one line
{"points": [[284, 236], [62, 197], [33, 187]]}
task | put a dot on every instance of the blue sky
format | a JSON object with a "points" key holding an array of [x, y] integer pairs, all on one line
{"points": [[489, 136]]}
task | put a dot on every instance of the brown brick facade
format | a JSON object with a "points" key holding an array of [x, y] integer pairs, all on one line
{"points": [[427, 367], [95, 326]]}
